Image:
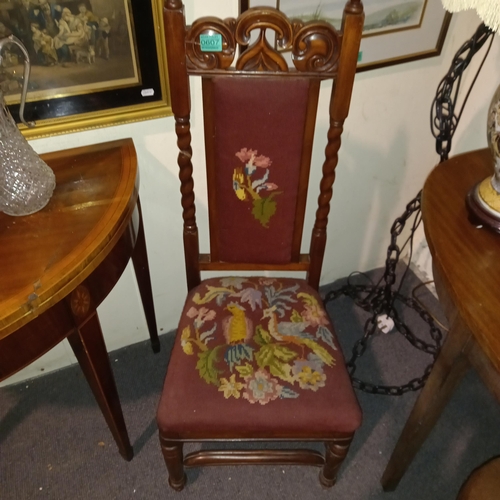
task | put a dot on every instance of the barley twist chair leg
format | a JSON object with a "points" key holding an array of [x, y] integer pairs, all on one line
{"points": [[172, 453], [335, 452]]}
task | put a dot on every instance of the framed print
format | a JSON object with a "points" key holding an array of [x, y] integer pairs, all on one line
{"points": [[94, 63], [395, 31]]}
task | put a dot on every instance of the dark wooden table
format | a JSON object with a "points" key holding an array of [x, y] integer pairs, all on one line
{"points": [[58, 265], [466, 267]]}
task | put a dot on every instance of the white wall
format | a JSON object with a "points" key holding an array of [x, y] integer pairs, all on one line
{"points": [[386, 155]]}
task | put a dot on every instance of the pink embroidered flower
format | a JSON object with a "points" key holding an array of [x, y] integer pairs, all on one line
{"points": [[314, 315], [267, 281], [192, 313], [261, 388], [252, 161], [269, 186], [262, 161], [246, 154], [250, 185], [201, 315]]}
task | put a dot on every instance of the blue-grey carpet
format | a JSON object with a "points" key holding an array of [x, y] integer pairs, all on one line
{"points": [[54, 443]]}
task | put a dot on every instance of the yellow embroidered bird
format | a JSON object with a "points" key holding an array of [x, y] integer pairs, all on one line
{"points": [[237, 328], [238, 183]]}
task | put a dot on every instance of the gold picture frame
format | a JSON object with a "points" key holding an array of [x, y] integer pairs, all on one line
{"points": [[84, 84]]}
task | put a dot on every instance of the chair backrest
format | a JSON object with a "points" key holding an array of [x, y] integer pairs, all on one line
{"points": [[259, 118]]}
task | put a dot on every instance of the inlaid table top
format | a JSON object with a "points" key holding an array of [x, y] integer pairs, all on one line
{"points": [[59, 264], [45, 255]]}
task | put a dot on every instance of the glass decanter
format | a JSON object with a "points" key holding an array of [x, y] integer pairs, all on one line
{"points": [[26, 181]]}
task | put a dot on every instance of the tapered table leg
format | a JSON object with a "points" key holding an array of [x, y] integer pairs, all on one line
{"points": [[141, 266], [88, 345], [450, 367]]}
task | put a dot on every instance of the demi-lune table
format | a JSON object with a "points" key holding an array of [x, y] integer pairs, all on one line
{"points": [[58, 265], [466, 268]]}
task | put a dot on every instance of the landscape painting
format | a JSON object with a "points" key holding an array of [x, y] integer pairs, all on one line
{"points": [[395, 31], [380, 15]]}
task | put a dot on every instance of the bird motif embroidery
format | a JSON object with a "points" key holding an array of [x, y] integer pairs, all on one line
{"points": [[271, 341], [250, 183], [285, 331], [237, 328], [290, 332]]}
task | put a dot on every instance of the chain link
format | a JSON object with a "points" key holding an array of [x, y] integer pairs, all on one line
{"points": [[381, 300], [444, 119]]}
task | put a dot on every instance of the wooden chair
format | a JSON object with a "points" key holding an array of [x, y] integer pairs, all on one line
{"points": [[256, 358]]}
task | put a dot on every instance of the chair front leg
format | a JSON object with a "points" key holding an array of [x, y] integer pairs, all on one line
{"points": [[335, 452], [172, 453]]}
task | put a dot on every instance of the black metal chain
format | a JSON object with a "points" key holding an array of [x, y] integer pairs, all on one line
{"points": [[355, 292], [380, 299], [444, 119]]}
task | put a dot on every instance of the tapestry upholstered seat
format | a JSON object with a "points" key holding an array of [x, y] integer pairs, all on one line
{"points": [[256, 357]]}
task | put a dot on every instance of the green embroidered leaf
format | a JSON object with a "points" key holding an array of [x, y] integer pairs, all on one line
{"points": [[261, 336], [296, 317], [246, 370], [321, 352], [265, 355], [269, 356], [281, 370], [206, 368], [264, 209], [214, 292], [284, 353]]}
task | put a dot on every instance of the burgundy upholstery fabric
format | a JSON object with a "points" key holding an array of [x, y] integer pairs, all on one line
{"points": [[258, 147], [258, 358]]}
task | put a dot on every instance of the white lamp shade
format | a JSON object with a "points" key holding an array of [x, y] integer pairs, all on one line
{"points": [[488, 10]]}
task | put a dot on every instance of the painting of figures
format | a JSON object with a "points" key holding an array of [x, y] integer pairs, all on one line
{"points": [[94, 63], [75, 47], [380, 15]]}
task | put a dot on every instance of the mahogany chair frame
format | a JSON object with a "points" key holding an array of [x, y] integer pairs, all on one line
{"points": [[319, 52]]}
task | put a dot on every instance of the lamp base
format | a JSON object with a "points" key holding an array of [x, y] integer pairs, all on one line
{"points": [[483, 203]]}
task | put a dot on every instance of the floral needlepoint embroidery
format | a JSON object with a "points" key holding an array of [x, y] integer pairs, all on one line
{"points": [[270, 342], [250, 183], [309, 373], [261, 388], [230, 387]]}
